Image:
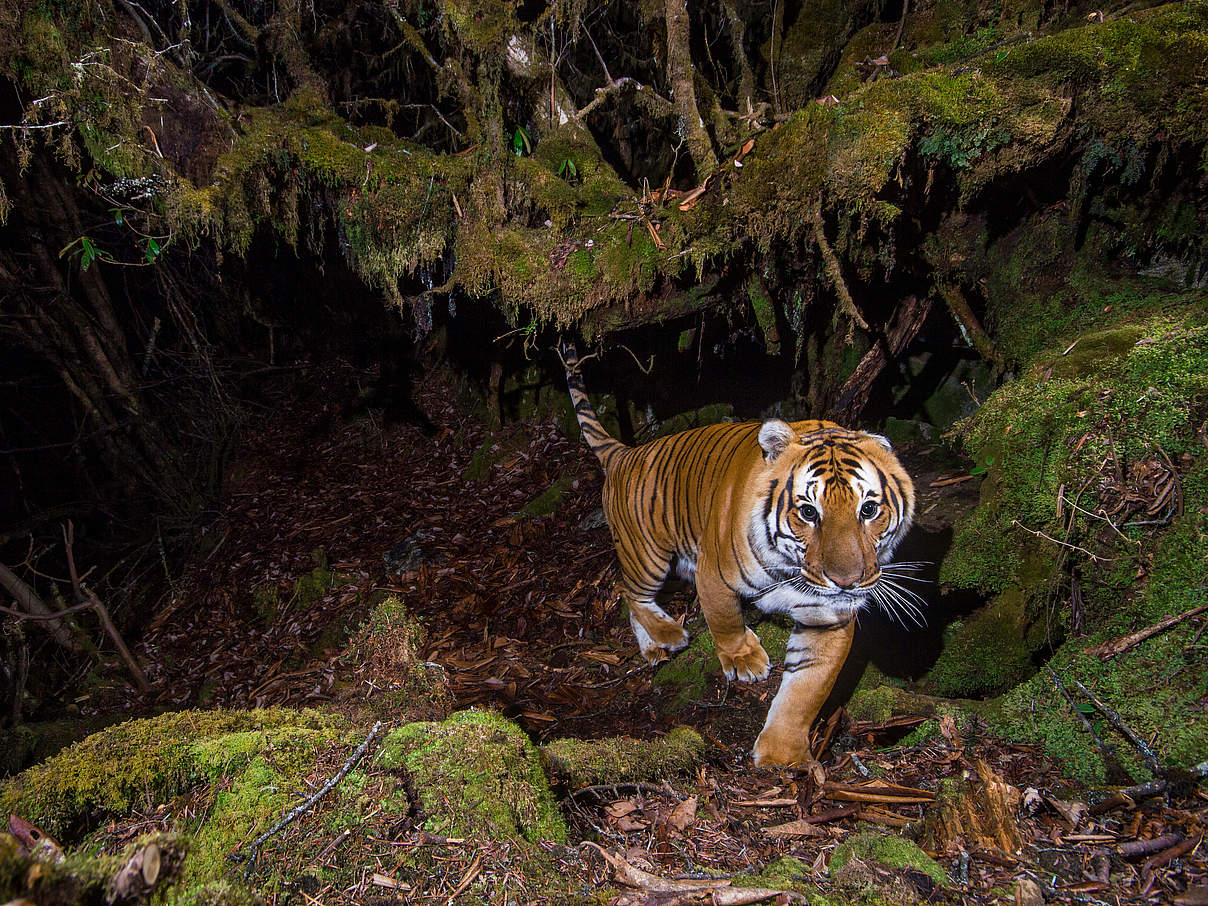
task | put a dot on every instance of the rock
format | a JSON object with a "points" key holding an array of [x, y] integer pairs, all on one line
{"points": [[1028, 893]]}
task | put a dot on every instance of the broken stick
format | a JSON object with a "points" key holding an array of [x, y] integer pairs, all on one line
{"points": [[290, 817]]}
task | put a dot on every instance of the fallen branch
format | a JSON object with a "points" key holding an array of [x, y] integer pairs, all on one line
{"points": [[968, 323], [35, 608], [1116, 721], [884, 793], [83, 593], [1135, 849], [1129, 794], [1112, 647], [907, 321], [292, 816], [1106, 748], [717, 891]]}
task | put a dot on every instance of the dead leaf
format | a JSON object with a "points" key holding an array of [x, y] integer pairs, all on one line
{"points": [[684, 814], [1072, 812], [798, 828], [620, 808], [628, 825]]}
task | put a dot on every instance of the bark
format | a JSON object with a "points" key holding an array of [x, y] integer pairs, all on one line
{"points": [[969, 324], [681, 75], [853, 395]]}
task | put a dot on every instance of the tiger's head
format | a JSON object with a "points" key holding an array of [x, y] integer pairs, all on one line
{"points": [[837, 503]]}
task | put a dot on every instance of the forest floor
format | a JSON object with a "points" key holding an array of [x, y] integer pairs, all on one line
{"points": [[523, 613]]}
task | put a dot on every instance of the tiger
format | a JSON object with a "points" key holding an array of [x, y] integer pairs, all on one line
{"points": [[796, 518]]}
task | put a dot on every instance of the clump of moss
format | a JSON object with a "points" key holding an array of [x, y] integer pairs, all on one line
{"points": [[896, 852], [312, 586], [477, 774], [547, 501], [682, 680], [990, 651], [584, 762], [879, 703], [383, 656], [786, 873]]}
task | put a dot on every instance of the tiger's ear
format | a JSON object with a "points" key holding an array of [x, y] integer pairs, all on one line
{"points": [[880, 439], [774, 437]]}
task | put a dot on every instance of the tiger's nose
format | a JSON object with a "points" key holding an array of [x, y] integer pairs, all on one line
{"points": [[845, 579]]}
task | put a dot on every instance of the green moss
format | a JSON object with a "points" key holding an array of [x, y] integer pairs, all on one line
{"points": [[80, 878], [896, 852], [785, 873], [312, 586], [477, 773], [266, 603], [990, 651], [879, 703], [547, 501], [619, 759], [682, 680], [111, 771]]}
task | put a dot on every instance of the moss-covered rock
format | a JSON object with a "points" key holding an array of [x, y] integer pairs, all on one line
{"points": [[682, 680], [880, 703], [989, 651], [477, 773], [150, 760], [618, 759], [253, 764], [1078, 535], [875, 868]]}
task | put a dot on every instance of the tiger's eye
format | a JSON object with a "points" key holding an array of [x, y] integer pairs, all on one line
{"points": [[870, 509], [809, 513]]}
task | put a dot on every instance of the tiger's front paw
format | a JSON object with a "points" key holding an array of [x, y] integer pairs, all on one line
{"points": [[778, 748], [749, 662]]}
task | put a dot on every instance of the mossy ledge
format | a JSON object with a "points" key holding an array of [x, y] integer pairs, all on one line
{"points": [[619, 759]]}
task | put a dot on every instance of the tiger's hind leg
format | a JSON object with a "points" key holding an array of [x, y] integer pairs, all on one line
{"points": [[659, 636], [643, 572], [812, 664]]}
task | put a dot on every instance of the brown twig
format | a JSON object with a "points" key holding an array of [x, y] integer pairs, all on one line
{"points": [[1119, 645], [897, 38], [33, 607], [88, 596]]}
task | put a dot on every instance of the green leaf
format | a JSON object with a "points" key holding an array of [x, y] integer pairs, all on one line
{"points": [[521, 143], [153, 250]]}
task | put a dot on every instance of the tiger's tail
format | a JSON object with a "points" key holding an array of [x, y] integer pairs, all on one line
{"points": [[606, 447]]}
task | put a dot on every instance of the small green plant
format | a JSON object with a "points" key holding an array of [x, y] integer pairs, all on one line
{"points": [[522, 143], [982, 467], [961, 149], [567, 170], [86, 251]]}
